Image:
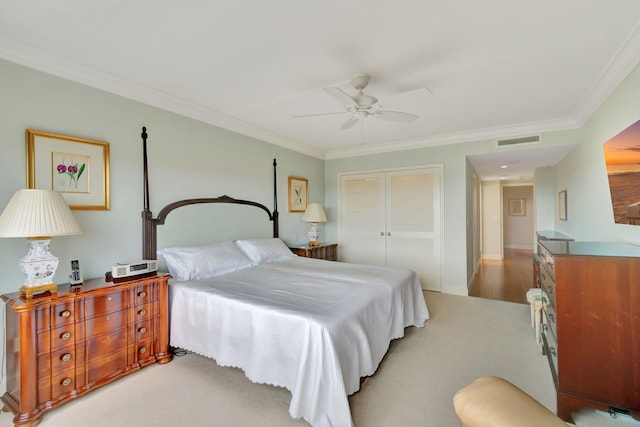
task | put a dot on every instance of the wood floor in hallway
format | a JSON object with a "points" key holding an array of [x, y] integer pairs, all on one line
{"points": [[505, 280]]}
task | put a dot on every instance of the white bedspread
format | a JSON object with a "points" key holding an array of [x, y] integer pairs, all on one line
{"points": [[313, 326]]}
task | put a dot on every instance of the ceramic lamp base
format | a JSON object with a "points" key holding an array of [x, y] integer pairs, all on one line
{"points": [[38, 268], [314, 235]]}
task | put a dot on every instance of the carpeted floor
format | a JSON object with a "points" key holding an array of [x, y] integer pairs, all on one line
{"points": [[466, 338]]}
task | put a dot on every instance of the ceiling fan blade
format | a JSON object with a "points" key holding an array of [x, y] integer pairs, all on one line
{"points": [[341, 96], [349, 123], [395, 116], [300, 116]]}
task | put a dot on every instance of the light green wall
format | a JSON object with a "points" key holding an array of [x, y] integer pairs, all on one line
{"points": [[583, 173], [192, 159], [458, 256], [187, 158]]}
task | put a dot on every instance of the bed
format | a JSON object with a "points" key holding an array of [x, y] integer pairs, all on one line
{"points": [[312, 326]]}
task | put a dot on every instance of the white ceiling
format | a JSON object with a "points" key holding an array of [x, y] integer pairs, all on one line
{"points": [[493, 68]]}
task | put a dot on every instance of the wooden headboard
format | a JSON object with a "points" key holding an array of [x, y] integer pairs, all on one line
{"points": [[149, 223]]}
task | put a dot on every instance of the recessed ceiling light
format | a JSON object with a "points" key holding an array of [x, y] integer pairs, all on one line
{"points": [[504, 166]]}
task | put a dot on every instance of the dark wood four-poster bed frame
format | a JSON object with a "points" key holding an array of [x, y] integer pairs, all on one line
{"points": [[149, 224]]}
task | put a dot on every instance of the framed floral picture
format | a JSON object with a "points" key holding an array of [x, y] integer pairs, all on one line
{"points": [[298, 194], [75, 167]]}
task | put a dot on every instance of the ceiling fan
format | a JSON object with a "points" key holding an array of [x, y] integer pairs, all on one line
{"points": [[361, 105]]}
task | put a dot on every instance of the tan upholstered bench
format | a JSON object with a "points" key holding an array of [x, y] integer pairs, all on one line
{"points": [[494, 402]]}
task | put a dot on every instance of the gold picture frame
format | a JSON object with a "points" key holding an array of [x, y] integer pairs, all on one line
{"points": [[517, 207], [298, 194], [562, 205], [78, 168]]}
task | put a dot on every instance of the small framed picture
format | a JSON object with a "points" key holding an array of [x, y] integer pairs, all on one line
{"points": [[75, 167], [298, 194], [517, 207], [562, 205]]}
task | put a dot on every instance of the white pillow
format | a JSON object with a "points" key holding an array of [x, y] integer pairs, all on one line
{"points": [[262, 251], [204, 261]]}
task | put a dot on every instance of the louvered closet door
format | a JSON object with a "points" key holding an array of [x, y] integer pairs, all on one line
{"points": [[393, 218], [362, 218], [413, 223]]}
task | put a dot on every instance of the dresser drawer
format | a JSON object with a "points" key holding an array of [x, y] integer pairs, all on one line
{"points": [[56, 315], [100, 325], [105, 367], [106, 343], [144, 294], [548, 286], [66, 382], [60, 337], [59, 360], [143, 312], [104, 304]]}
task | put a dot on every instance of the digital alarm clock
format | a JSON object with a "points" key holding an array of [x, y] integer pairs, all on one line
{"points": [[135, 268]]}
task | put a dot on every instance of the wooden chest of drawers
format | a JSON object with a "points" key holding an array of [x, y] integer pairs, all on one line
{"points": [[592, 331], [64, 345], [328, 251]]}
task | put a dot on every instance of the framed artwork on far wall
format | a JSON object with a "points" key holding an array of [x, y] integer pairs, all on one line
{"points": [[298, 194], [517, 207], [77, 168], [562, 205]]}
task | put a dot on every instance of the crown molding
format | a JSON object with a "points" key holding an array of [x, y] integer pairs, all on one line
{"points": [[456, 138], [37, 59], [621, 65]]}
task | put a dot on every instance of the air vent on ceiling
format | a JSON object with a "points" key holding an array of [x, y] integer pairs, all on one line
{"points": [[531, 139]]}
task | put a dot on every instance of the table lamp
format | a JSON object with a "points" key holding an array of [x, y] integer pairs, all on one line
{"points": [[314, 214], [38, 215]]}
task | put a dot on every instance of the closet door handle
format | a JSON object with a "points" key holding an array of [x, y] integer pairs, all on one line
{"points": [[389, 233], [382, 233]]}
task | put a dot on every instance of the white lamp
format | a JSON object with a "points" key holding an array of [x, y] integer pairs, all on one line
{"points": [[38, 215], [314, 214]]}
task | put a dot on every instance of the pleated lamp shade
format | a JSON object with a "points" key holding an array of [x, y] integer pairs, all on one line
{"points": [[38, 213], [314, 213]]}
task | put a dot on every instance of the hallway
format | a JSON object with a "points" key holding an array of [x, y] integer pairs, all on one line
{"points": [[506, 280]]}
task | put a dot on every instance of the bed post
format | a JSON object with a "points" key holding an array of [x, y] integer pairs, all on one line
{"points": [[275, 200], [148, 228]]}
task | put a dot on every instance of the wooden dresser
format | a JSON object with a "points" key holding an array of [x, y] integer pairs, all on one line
{"points": [[328, 251], [62, 346], [592, 324]]}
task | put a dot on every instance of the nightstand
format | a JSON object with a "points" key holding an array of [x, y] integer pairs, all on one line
{"points": [[328, 251], [64, 345]]}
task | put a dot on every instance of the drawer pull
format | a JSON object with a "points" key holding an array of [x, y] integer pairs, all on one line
{"points": [[65, 313], [143, 350], [66, 381], [66, 357], [142, 330], [142, 294], [66, 335], [142, 312]]}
